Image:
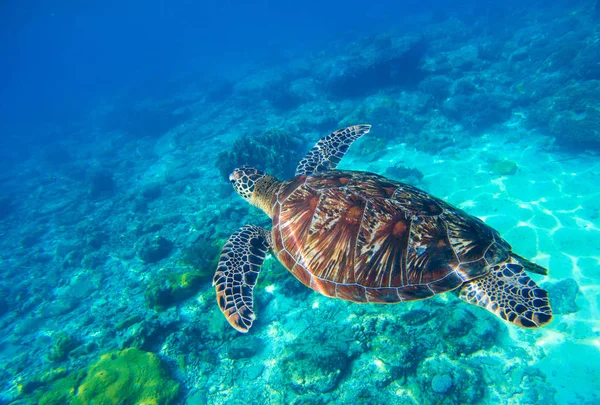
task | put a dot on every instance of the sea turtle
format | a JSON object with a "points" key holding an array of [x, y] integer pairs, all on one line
{"points": [[361, 237]]}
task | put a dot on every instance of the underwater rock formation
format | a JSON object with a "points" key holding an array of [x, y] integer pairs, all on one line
{"points": [[101, 184], [63, 345], [153, 248], [404, 174], [244, 347], [563, 292], [441, 383], [264, 152], [128, 376], [571, 116], [166, 290], [384, 63], [314, 368], [202, 255]]}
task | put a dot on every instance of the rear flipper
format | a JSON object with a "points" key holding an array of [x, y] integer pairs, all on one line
{"points": [[508, 292], [529, 265]]}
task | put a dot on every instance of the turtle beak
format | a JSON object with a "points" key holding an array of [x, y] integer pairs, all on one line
{"points": [[232, 177]]}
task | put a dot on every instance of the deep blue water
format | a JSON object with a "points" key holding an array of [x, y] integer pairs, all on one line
{"points": [[63, 59], [120, 123]]}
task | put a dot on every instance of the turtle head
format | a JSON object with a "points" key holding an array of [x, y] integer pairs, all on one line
{"points": [[244, 181], [254, 186]]}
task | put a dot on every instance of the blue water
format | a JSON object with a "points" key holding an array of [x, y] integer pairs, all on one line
{"points": [[120, 124]]}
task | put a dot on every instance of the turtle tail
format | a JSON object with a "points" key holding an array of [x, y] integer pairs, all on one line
{"points": [[509, 293]]}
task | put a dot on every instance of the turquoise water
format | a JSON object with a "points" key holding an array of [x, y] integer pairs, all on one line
{"points": [[113, 210]]}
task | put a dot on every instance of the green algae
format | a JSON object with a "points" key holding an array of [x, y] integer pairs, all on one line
{"points": [[63, 345], [128, 376], [170, 289], [127, 322], [29, 386], [62, 391]]}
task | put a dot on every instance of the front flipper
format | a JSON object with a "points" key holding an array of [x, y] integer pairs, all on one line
{"points": [[237, 272], [328, 152], [509, 293]]}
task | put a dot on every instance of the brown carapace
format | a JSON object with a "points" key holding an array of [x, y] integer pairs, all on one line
{"points": [[361, 237]]}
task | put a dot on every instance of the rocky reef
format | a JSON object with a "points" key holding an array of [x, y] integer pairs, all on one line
{"points": [[264, 152], [127, 376]]}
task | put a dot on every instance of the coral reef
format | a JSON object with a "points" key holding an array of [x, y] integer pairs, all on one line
{"points": [[384, 63], [170, 289], [153, 248], [63, 345], [265, 152], [579, 119], [127, 376], [441, 383], [202, 254], [316, 369], [244, 347]]}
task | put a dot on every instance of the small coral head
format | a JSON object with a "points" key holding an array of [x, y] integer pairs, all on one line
{"points": [[244, 180]]}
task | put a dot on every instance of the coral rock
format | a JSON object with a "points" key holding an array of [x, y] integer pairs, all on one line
{"points": [[152, 249], [441, 383]]}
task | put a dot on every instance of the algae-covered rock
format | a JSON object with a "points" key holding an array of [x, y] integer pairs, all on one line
{"points": [[460, 323], [61, 391], [27, 387], [170, 289], [203, 255], [314, 368], [244, 347], [504, 167], [129, 376], [63, 345], [153, 248], [466, 333], [264, 152], [127, 322], [149, 334]]}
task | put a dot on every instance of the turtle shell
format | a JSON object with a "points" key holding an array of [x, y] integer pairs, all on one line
{"points": [[364, 238]]}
